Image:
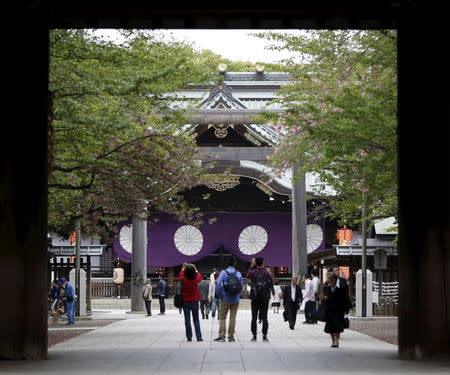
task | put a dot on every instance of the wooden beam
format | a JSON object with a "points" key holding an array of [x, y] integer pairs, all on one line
{"points": [[228, 116], [235, 153]]}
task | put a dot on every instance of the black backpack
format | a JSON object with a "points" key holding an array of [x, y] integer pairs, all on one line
{"points": [[232, 286], [261, 286]]}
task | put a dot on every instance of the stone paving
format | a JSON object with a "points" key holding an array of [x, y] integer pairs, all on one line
{"points": [[157, 345]]}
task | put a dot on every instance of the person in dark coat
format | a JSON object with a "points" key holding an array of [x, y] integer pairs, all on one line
{"points": [[336, 301], [292, 299]]}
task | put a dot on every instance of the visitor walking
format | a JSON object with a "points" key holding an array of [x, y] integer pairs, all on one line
{"points": [[214, 297], [190, 278], [276, 296], [292, 298], [316, 286], [204, 296], [70, 299], [229, 287], [341, 281], [161, 293], [147, 296], [336, 303], [261, 285], [310, 299]]}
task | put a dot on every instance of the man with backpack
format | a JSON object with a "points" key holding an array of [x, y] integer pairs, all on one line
{"points": [[261, 287], [229, 287]]}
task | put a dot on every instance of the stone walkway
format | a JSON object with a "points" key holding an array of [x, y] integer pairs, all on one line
{"points": [[156, 345]]}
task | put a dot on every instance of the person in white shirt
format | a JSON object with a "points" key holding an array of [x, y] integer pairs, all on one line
{"points": [[275, 300], [310, 299]]}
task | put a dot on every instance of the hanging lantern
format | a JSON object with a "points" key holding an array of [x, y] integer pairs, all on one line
{"points": [[344, 272], [344, 236], [160, 270], [282, 270], [72, 238], [118, 276]]}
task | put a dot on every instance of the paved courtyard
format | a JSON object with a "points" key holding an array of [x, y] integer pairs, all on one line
{"points": [[157, 345]]}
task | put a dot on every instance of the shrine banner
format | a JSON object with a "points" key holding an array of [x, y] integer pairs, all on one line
{"points": [[245, 235]]}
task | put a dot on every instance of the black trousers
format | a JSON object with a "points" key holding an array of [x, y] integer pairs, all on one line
{"points": [[148, 307], [204, 308], [292, 314], [310, 307], [162, 304], [259, 310]]}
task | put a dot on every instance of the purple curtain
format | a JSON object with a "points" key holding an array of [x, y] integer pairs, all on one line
{"points": [[225, 231]]}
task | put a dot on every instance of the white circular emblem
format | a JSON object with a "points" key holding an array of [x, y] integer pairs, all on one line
{"points": [[314, 237], [252, 239], [188, 240], [126, 238]]}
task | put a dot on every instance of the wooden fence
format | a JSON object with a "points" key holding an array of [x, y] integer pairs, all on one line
{"points": [[109, 289]]}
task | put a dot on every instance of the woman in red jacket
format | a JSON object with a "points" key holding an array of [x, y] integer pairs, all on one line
{"points": [[190, 278]]}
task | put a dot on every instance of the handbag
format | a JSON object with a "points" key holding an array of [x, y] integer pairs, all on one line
{"points": [[320, 314], [346, 323], [285, 317], [178, 298]]}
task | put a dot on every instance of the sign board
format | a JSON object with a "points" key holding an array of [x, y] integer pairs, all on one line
{"points": [[374, 297], [380, 259]]}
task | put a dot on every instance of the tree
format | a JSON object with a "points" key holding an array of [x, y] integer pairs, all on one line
{"points": [[115, 140], [340, 119]]}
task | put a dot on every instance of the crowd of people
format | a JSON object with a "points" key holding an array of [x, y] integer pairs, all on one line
{"points": [[220, 292]]}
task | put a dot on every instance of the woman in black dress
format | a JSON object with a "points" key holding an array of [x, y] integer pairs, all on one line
{"points": [[336, 302]]}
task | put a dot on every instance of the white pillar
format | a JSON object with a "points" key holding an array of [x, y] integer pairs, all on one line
{"points": [[359, 294]]}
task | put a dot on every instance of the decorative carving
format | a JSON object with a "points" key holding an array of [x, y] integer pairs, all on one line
{"points": [[252, 139], [220, 131], [314, 237], [264, 188], [188, 240], [222, 183], [126, 238], [252, 239]]}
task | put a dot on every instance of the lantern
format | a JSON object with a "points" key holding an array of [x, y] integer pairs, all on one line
{"points": [[344, 236], [282, 270], [160, 270], [344, 272], [118, 276], [72, 238]]}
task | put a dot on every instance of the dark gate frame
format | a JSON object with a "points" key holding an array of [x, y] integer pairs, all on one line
{"points": [[423, 145]]}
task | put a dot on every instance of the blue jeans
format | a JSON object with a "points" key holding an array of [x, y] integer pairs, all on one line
{"points": [[70, 306], [215, 307], [193, 307]]}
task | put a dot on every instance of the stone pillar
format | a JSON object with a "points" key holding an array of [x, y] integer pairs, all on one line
{"points": [[81, 293], [299, 253], [139, 262], [88, 287], [359, 294]]}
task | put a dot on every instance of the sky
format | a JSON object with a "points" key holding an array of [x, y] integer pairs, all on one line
{"points": [[235, 45]]}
